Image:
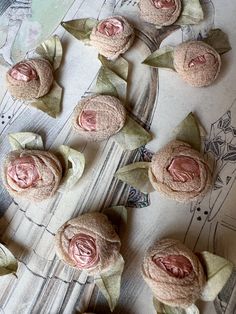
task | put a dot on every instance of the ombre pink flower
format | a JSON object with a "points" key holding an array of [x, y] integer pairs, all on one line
{"points": [[164, 4], [110, 27], [183, 169], [177, 266], [23, 71], [23, 172], [83, 251], [87, 120]]}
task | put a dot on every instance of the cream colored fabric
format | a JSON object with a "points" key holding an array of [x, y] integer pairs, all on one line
{"points": [[181, 292], [202, 74], [95, 225], [112, 46], [34, 88], [110, 115], [163, 182], [159, 16], [49, 172]]}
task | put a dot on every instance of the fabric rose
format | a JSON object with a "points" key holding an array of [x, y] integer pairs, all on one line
{"points": [[160, 12], [88, 242], [174, 273], [30, 79], [112, 36], [197, 63], [180, 172], [31, 174], [98, 117]]}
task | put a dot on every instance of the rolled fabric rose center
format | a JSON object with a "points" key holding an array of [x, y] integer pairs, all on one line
{"points": [[177, 266], [87, 120], [23, 172], [83, 250], [164, 4], [110, 27], [207, 58], [23, 71], [183, 169]]}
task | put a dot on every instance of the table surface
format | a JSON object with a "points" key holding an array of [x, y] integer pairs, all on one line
{"points": [[158, 100]]}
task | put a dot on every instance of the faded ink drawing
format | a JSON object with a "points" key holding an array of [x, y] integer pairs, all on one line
{"points": [[44, 284]]}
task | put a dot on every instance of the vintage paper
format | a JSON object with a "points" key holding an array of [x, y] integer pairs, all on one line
{"points": [[160, 100]]}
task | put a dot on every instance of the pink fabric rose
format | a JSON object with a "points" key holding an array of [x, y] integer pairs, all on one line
{"points": [[175, 265], [174, 273], [110, 27], [83, 251], [112, 36], [23, 71], [180, 172], [32, 174], [98, 117], [183, 169], [30, 79], [88, 242], [197, 63], [23, 172]]}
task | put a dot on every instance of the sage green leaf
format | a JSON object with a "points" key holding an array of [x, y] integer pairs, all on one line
{"points": [[111, 83], [218, 40], [192, 13], [8, 263], [119, 66], [50, 103], [109, 282], [161, 58], [218, 271], [166, 309], [25, 140], [116, 214], [80, 28], [132, 135], [51, 49], [74, 163], [136, 175], [188, 131]]}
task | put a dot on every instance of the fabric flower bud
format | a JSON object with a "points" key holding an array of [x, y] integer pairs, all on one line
{"points": [[32, 174], [174, 273], [180, 172], [112, 36], [30, 79], [197, 63], [98, 117], [160, 12], [88, 242]]}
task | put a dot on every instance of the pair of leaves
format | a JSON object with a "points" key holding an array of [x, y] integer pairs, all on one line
{"points": [[163, 57], [192, 13], [73, 160], [217, 270], [51, 50], [136, 174], [51, 102], [8, 263], [132, 135], [80, 28], [109, 282], [112, 78]]}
